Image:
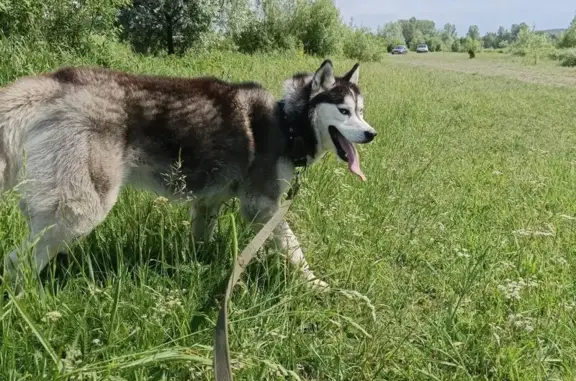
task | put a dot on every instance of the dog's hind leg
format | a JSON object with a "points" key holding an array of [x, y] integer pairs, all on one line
{"points": [[257, 211], [48, 236], [72, 183], [52, 228]]}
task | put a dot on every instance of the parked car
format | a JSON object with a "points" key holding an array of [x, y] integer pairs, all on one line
{"points": [[400, 49], [422, 48]]}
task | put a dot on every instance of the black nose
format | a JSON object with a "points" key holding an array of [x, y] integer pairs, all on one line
{"points": [[369, 136]]}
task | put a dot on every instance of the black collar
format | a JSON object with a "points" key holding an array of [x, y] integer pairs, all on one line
{"points": [[300, 138]]}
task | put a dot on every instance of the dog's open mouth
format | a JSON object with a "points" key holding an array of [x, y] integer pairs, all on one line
{"points": [[346, 151]]}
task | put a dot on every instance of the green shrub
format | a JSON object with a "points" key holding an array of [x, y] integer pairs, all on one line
{"points": [[318, 27], [567, 57], [567, 39], [532, 45], [362, 46], [456, 46], [472, 46], [62, 25], [313, 27], [569, 60]]}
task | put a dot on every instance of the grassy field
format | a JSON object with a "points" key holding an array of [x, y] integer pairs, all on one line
{"points": [[454, 261], [501, 66]]}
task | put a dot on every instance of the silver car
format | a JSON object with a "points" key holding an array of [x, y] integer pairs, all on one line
{"points": [[422, 48]]}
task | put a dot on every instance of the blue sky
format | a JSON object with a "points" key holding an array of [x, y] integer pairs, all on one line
{"points": [[487, 14]]}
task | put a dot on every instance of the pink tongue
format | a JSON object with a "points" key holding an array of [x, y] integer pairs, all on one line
{"points": [[353, 157]]}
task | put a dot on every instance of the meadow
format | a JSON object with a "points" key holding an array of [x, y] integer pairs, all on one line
{"points": [[454, 261]]}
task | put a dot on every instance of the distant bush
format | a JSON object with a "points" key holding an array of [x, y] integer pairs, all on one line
{"points": [[472, 46], [555, 54], [318, 27], [361, 45], [532, 45], [312, 27], [494, 50], [567, 39], [568, 60], [60, 25], [456, 46], [265, 36], [434, 44], [567, 57]]}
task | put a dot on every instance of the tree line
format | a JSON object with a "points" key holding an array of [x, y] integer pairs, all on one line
{"points": [[413, 32], [311, 27]]}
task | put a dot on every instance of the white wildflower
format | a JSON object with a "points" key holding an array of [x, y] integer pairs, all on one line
{"points": [[512, 289], [160, 201], [167, 303], [518, 321], [73, 358], [52, 317]]}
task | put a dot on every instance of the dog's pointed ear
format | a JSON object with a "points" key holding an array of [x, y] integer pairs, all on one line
{"points": [[324, 77], [353, 75]]}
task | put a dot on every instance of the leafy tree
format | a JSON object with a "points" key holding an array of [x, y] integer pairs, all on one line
{"points": [[311, 26], [319, 28], [234, 16], [456, 46], [490, 40], [417, 38], [472, 46], [448, 34], [392, 33], [360, 44], [435, 43], [67, 24], [427, 27], [503, 37], [568, 38], [272, 27], [172, 25], [411, 27], [515, 30], [532, 44], [473, 32]]}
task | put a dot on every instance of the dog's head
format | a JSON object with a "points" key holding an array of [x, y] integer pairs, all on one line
{"points": [[336, 111]]}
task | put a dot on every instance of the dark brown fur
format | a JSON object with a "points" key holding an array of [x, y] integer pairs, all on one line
{"points": [[201, 121]]}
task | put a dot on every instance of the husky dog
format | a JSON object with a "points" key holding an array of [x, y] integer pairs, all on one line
{"points": [[88, 131]]}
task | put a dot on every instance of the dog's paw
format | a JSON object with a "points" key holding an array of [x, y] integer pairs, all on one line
{"points": [[319, 285]]}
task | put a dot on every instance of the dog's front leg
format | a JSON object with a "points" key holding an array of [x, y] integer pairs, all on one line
{"points": [[257, 210], [286, 241]]}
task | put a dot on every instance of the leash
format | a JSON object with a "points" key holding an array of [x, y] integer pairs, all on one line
{"points": [[222, 367]]}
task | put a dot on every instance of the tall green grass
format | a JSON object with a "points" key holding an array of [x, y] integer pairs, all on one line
{"points": [[455, 260]]}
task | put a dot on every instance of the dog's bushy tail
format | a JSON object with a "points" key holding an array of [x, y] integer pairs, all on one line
{"points": [[19, 104]]}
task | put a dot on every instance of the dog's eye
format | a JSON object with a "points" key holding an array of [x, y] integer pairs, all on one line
{"points": [[344, 111]]}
